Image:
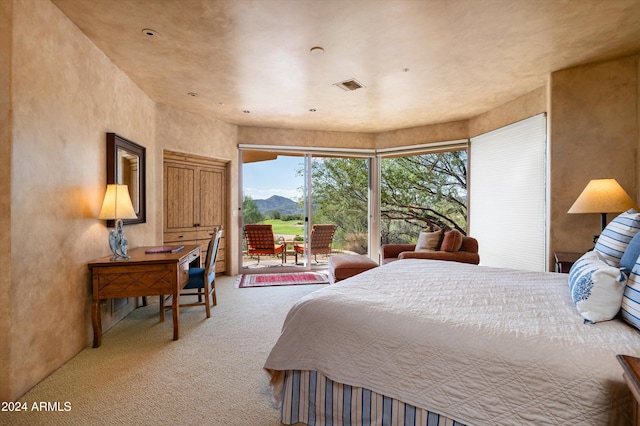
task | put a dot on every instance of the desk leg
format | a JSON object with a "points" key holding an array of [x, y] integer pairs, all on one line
{"points": [[175, 308], [97, 323], [162, 308]]}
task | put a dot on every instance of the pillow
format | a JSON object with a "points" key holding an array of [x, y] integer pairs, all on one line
{"points": [[615, 238], [429, 240], [596, 287], [630, 255], [452, 241], [630, 310]]}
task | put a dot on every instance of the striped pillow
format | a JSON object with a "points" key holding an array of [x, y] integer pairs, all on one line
{"points": [[630, 309], [615, 238], [631, 255]]}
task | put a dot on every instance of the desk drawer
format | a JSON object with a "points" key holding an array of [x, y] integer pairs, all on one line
{"points": [[180, 237], [193, 256], [183, 270], [147, 280]]}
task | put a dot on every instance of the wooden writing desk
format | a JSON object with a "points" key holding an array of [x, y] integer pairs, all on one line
{"points": [[142, 275]]}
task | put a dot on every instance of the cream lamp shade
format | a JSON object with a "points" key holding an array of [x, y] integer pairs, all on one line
{"points": [[603, 196], [117, 203]]}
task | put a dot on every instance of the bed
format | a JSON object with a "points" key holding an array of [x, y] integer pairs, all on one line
{"points": [[434, 342]]}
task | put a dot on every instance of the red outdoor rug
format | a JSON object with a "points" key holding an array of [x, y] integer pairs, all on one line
{"points": [[295, 278]]}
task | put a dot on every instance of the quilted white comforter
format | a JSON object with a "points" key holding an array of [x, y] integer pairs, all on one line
{"points": [[480, 345]]}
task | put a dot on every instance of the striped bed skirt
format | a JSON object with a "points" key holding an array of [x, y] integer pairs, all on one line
{"points": [[312, 398]]}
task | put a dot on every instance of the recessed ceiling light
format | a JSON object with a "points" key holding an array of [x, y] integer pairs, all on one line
{"points": [[316, 51], [149, 32], [194, 94], [246, 111], [312, 110]]}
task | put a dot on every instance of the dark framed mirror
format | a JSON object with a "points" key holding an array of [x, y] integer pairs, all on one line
{"points": [[126, 165]]}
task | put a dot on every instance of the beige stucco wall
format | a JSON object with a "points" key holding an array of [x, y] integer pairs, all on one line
{"points": [[306, 138], [66, 95], [593, 133], [525, 106], [423, 134], [5, 196]]}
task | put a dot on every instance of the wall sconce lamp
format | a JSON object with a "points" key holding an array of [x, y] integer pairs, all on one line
{"points": [[117, 206], [603, 196]]}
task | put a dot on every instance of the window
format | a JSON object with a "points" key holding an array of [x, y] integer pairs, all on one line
{"points": [[420, 190], [507, 195]]}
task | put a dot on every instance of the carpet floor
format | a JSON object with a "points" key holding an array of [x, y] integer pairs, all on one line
{"points": [[212, 376], [294, 278]]}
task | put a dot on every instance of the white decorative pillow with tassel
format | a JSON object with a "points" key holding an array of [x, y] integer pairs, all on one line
{"points": [[596, 287]]}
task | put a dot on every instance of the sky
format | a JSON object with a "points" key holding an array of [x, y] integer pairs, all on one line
{"points": [[263, 179]]}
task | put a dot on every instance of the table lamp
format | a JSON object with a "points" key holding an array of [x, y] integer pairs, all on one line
{"points": [[603, 196], [117, 206]]}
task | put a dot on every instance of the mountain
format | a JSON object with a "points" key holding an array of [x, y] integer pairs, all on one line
{"points": [[281, 204]]}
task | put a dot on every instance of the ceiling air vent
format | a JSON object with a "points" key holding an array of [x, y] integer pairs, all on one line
{"points": [[349, 85]]}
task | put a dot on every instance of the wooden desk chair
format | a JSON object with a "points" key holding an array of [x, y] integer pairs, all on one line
{"points": [[320, 242], [202, 281], [260, 241]]}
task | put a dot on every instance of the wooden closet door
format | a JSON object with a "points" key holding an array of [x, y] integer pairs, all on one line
{"points": [[210, 202], [212, 207], [180, 202]]}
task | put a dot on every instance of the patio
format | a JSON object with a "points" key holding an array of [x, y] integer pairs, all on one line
{"points": [[320, 261]]}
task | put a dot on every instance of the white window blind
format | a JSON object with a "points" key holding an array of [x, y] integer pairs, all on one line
{"points": [[507, 193]]}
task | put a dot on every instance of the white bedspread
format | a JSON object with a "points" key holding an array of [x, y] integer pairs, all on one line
{"points": [[481, 345]]}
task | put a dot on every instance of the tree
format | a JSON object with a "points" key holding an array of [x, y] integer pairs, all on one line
{"points": [[340, 196], [423, 190], [250, 211], [275, 214]]}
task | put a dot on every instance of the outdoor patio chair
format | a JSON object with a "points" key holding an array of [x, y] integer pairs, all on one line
{"points": [[260, 241], [320, 241]]}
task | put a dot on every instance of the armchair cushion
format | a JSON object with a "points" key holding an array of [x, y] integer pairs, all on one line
{"points": [[429, 240], [468, 252], [391, 252], [459, 256], [452, 241]]}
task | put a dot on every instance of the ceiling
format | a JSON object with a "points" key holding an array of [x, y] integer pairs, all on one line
{"points": [[249, 62]]}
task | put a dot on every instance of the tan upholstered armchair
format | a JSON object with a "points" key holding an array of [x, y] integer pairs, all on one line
{"points": [[468, 252]]}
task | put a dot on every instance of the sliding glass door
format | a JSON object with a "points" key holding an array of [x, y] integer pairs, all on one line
{"points": [[340, 197], [315, 206], [273, 197]]}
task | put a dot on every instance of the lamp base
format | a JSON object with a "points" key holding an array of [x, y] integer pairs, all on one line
{"points": [[116, 257], [118, 243], [603, 220]]}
